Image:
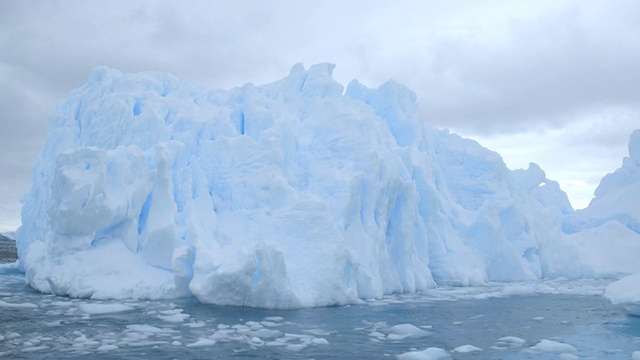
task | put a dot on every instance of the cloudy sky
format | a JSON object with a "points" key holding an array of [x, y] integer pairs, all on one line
{"points": [[551, 82]]}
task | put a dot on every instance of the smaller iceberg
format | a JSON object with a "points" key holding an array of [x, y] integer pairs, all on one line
{"points": [[626, 292]]}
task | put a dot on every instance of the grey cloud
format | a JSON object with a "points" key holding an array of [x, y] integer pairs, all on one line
{"points": [[548, 71]]}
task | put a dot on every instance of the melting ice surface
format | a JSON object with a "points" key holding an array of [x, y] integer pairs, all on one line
{"points": [[532, 320], [295, 194]]}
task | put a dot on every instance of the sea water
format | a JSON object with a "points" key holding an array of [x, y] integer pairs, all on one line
{"points": [[542, 320]]}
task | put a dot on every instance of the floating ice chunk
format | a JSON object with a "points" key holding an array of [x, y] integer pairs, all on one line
{"points": [[223, 335], [317, 332], [202, 343], [270, 323], [466, 349], [567, 356], [553, 346], [241, 329], [32, 342], [173, 316], [144, 328], [266, 333], [274, 318], [635, 355], [402, 331], [625, 292], [107, 347], [320, 341], [170, 311], [295, 347], [95, 309], [275, 343], [34, 348], [63, 303], [512, 341], [195, 324], [538, 318], [432, 353], [18, 305], [148, 343]]}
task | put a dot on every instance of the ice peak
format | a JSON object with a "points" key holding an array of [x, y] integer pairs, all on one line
{"points": [[322, 69], [100, 73], [317, 81], [634, 147], [297, 69]]}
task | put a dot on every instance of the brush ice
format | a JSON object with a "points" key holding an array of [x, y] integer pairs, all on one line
{"points": [[292, 194]]}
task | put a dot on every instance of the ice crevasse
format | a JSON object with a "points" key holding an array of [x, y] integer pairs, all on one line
{"points": [[293, 194]]}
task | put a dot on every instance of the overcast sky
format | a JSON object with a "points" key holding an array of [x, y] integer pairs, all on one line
{"points": [[551, 82]]}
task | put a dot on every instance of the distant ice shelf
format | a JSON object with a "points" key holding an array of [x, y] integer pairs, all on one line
{"points": [[295, 194]]}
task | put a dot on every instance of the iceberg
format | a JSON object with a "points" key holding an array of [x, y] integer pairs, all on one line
{"points": [[297, 193]]}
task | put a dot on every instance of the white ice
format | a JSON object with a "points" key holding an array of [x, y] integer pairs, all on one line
{"points": [[432, 353], [403, 331], [546, 345], [95, 309], [463, 349], [294, 194], [202, 343], [17, 305], [626, 292], [511, 341]]}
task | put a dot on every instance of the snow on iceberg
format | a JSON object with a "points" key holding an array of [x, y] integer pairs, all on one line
{"points": [[291, 194]]}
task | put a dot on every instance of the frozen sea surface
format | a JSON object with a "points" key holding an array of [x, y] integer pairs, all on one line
{"points": [[544, 320]]}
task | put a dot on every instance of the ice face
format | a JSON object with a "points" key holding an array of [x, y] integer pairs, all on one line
{"points": [[290, 194]]}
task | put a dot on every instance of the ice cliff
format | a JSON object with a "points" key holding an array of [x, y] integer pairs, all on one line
{"points": [[616, 203], [292, 194]]}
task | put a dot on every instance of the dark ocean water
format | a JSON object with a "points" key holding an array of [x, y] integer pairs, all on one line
{"points": [[8, 250], [40, 326]]}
